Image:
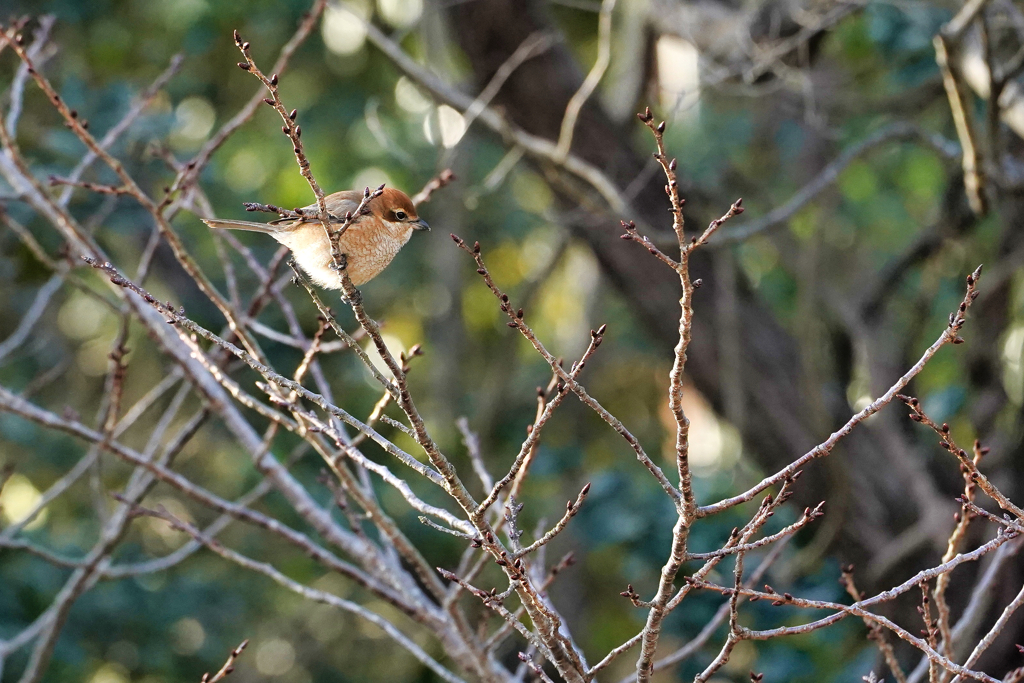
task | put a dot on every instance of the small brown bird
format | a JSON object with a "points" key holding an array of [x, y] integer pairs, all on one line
{"points": [[369, 243]]}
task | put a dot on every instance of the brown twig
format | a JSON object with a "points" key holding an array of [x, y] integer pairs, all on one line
{"points": [[950, 335], [875, 631], [533, 436], [304, 591], [80, 128], [571, 508], [963, 520], [570, 382], [970, 466], [549, 625], [193, 168], [271, 208], [292, 130], [721, 616], [56, 181], [442, 179], [687, 505], [856, 609], [534, 667], [229, 665], [808, 516], [144, 99]]}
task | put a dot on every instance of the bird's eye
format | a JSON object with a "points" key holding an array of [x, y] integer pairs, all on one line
{"points": [[400, 215]]}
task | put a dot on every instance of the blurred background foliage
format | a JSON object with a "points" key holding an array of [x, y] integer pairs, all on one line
{"points": [[363, 124]]}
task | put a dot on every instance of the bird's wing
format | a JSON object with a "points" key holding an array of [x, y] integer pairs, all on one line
{"points": [[338, 204]]}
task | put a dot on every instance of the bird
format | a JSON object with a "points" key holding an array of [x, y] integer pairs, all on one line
{"points": [[370, 242]]}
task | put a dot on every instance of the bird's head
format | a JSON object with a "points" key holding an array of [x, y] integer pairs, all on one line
{"points": [[397, 212]]}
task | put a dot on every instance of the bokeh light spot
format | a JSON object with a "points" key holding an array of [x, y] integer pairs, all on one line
{"points": [[342, 29], [400, 13], [275, 657], [110, 673], [17, 499], [193, 120], [409, 97], [247, 170], [187, 636]]}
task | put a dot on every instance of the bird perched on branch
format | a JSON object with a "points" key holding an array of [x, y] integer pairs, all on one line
{"points": [[372, 238]]}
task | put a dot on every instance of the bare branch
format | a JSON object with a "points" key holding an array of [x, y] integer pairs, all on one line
{"points": [[229, 666], [950, 335], [586, 89]]}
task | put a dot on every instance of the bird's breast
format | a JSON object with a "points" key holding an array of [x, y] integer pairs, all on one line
{"points": [[368, 251]]}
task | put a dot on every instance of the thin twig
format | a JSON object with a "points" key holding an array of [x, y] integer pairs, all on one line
{"points": [[229, 665], [594, 76], [950, 335]]}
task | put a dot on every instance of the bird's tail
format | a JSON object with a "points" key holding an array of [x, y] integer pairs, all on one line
{"points": [[240, 225]]}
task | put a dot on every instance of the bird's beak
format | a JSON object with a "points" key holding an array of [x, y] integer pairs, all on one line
{"points": [[419, 224]]}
